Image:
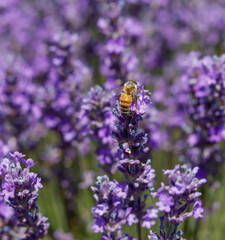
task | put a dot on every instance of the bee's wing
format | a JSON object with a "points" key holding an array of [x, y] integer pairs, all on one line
{"points": [[138, 92], [114, 95], [115, 91]]}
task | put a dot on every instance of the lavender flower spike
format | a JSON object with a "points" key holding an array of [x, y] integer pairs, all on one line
{"points": [[101, 120], [20, 187], [176, 198], [200, 100], [132, 153], [132, 142], [111, 213]]}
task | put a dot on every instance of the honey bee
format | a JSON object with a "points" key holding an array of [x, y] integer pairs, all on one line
{"points": [[127, 96]]}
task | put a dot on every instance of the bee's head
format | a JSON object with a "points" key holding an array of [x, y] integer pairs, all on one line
{"points": [[131, 86]]}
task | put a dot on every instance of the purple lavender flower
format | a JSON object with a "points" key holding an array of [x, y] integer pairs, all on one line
{"points": [[119, 237], [111, 213], [149, 217], [139, 176], [154, 236], [139, 179], [176, 197], [6, 211], [62, 91], [206, 84], [200, 103], [61, 235], [158, 43], [98, 110], [131, 141], [88, 179], [20, 111], [7, 222], [4, 149], [20, 188], [61, 103], [118, 62]]}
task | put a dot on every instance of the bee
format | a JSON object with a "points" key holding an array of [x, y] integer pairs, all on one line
{"points": [[127, 96]]}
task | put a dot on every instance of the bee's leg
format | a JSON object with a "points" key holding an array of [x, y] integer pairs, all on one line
{"points": [[135, 101]]}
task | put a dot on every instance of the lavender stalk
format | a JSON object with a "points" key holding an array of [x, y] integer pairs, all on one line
{"points": [[20, 188]]}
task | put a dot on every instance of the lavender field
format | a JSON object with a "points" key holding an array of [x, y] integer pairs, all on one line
{"points": [[112, 119]]}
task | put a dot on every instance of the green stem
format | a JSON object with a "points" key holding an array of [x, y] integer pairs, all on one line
{"points": [[169, 230], [139, 230], [112, 236], [139, 217]]}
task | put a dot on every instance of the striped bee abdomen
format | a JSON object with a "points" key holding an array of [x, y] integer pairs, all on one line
{"points": [[125, 102]]}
